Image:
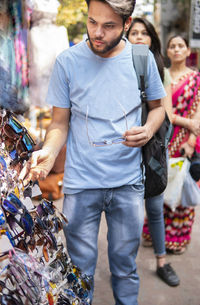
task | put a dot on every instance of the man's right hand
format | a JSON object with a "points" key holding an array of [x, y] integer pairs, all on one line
{"points": [[38, 167]]}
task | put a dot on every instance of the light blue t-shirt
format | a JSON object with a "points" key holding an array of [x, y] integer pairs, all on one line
{"points": [[103, 96]]}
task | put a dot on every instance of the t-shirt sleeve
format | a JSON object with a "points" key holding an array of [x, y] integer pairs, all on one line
{"points": [[58, 90], [155, 88]]}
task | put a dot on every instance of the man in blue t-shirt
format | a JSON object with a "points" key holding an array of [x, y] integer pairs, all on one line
{"points": [[96, 109]]}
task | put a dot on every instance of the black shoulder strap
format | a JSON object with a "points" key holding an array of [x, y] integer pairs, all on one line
{"points": [[140, 57]]}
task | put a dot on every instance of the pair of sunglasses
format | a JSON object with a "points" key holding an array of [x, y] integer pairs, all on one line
{"points": [[24, 144], [25, 245], [61, 263], [53, 224], [46, 232], [47, 207], [13, 205]]}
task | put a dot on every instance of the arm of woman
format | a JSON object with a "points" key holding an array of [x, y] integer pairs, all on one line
{"points": [[192, 124], [167, 102], [189, 146]]}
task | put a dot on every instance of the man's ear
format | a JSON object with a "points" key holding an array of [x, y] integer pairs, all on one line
{"points": [[127, 23]]}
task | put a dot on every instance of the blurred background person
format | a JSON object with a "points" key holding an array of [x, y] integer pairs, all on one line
{"points": [[143, 32], [186, 120]]}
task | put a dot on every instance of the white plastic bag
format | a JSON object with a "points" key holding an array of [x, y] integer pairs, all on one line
{"points": [[190, 193], [177, 170]]}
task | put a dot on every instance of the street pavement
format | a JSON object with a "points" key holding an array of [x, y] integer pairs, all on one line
{"points": [[152, 290]]}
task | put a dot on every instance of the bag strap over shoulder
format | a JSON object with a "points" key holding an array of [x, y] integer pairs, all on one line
{"points": [[140, 57]]}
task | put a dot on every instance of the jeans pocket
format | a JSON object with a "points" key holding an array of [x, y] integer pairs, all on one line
{"points": [[137, 187]]}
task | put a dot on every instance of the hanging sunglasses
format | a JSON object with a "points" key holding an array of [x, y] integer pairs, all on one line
{"points": [[24, 145], [14, 206], [53, 224], [22, 149], [13, 130], [57, 225], [25, 222], [25, 245], [47, 207], [47, 235]]}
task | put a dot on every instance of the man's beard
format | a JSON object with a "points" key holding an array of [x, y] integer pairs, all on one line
{"points": [[108, 46]]}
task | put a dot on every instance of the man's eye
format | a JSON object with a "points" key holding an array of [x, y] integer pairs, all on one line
{"points": [[109, 26], [92, 21]]}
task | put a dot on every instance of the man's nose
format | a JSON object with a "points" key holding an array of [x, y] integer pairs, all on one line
{"points": [[99, 31]]}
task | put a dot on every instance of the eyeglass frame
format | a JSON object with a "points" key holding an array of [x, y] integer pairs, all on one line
{"points": [[103, 143]]}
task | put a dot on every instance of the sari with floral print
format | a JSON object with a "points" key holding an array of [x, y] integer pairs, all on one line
{"points": [[185, 99], [178, 223]]}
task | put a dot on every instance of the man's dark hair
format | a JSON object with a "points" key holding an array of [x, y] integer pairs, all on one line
{"points": [[124, 8]]}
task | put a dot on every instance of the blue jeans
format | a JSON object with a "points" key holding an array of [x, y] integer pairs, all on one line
{"points": [[124, 211], [154, 208]]}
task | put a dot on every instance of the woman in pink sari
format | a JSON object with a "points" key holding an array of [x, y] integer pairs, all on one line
{"points": [[186, 121]]}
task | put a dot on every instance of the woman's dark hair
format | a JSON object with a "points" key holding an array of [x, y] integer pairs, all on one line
{"points": [[155, 42], [178, 35]]}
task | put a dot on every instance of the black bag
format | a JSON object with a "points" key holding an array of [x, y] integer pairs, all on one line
{"points": [[154, 152], [195, 166]]}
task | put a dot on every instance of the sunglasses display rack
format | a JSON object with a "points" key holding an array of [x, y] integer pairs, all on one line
{"points": [[34, 265]]}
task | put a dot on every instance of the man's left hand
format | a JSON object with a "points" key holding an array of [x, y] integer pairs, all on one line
{"points": [[137, 136]]}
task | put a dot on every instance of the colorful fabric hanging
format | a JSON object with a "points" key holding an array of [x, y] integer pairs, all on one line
{"points": [[13, 58]]}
